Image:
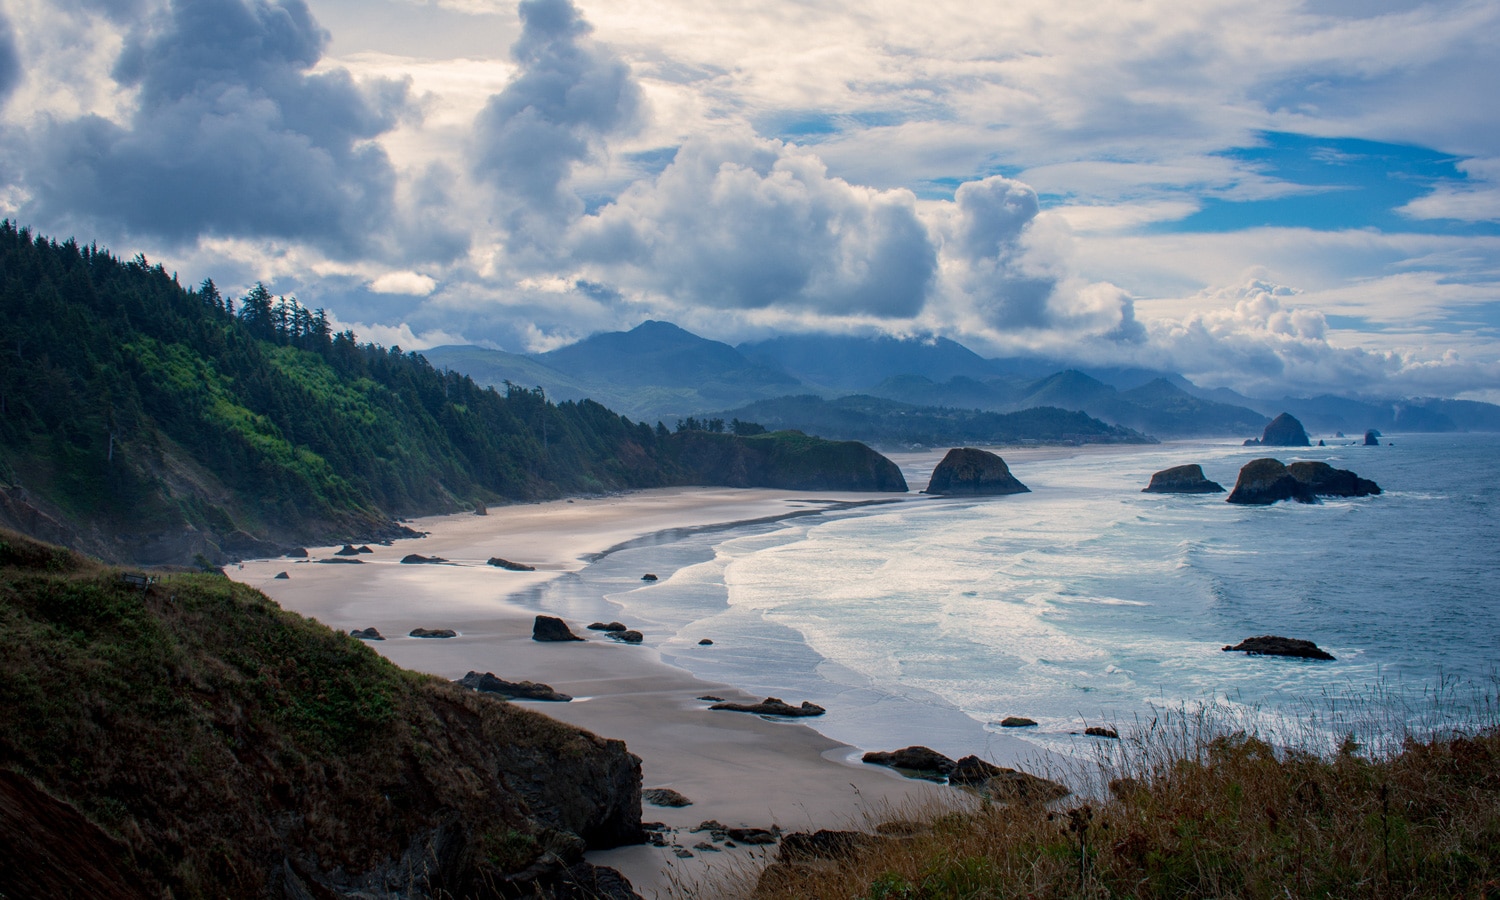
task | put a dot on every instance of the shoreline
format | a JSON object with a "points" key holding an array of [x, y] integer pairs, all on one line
{"points": [[738, 769]]}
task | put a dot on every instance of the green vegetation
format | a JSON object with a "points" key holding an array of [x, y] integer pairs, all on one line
{"points": [[142, 420], [206, 735], [1195, 812]]}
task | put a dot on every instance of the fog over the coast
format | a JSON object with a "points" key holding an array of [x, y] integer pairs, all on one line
{"points": [[1274, 196]]}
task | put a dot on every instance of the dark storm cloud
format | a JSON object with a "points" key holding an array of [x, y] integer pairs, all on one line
{"points": [[570, 94], [233, 134], [992, 214]]}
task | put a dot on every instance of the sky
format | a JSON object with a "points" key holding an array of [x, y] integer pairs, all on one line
{"points": [[1280, 196]]}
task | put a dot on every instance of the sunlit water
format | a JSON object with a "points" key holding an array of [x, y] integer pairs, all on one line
{"points": [[1085, 601]]}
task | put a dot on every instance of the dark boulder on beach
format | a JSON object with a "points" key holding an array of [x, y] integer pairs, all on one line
{"points": [[973, 472], [346, 550], [705, 642], [1102, 731], [1016, 722], [499, 563], [512, 690], [1265, 481], [626, 637], [773, 706], [1182, 480], [297, 553], [343, 559], [412, 559], [282, 576], [367, 634], [665, 797], [1326, 481], [433, 633], [1274, 645], [648, 577], [606, 626], [1285, 431], [972, 771], [551, 628], [915, 758]]}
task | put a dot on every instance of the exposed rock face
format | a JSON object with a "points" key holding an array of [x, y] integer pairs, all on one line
{"points": [[1285, 431], [412, 559], [915, 758], [773, 706], [433, 633], [665, 797], [1326, 481], [487, 683], [1372, 438], [551, 628], [1272, 645], [1265, 481], [499, 563], [1182, 480], [367, 634], [966, 470]]}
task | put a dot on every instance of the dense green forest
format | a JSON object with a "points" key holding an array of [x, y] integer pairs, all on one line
{"points": [[143, 420]]}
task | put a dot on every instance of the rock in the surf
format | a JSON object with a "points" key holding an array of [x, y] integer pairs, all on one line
{"points": [[914, 759], [1274, 645], [1266, 481], [551, 628], [970, 471], [1187, 479], [1326, 481], [773, 706]]}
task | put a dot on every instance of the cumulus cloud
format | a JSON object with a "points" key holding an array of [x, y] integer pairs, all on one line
{"points": [[10, 61], [233, 134], [570, 95], [739, 222], [413, 283]]}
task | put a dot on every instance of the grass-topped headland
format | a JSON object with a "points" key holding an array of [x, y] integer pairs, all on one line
{"points": [[189, 737], [1182, 807]]}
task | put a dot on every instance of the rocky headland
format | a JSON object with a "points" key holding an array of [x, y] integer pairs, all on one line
{"points": [[974, 472]]}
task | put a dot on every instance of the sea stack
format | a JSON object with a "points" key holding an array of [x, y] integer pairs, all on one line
{"points": [[1326, 481], [1285, 431], [1372, 438], [1182, 480], [1265, 481], [973, 472]]}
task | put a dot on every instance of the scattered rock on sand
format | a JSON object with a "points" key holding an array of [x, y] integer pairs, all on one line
{"points": [[282, 576], [1182, 480], [705, 845], [914, 759], [682, 853], [755, 835], [346, 550], [412, 559], [499, 563], [433, 633], [514, 690], [551, 628], [773, 706], [710, 698], [969, 471], [297, 553], [609, 626], [665, 797], [343, 559], [367, 634], [648, 577], [1016, 722], [1101, 731], [626, 637], [1273, 645]]}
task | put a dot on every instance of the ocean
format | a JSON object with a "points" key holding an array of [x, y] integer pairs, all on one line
{"points": [[1086, 601]]}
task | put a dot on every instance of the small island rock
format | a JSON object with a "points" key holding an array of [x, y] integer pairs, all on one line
{"points": [[1285, 431], [648, 577], [551, 628], [1326, 481], [512, 690], [433, 633], [969, 471], [705, 642], [367, 634], [1372, 438], [915, 758], [1265, 481], [773, 706], [1187, 479], [1273, 645]]}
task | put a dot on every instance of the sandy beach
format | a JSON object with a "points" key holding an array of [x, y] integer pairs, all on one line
{"points": [[737, 769]]}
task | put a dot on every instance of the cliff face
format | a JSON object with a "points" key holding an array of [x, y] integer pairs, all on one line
{"points": [[966, 470], [216, 745], [785, 459]]}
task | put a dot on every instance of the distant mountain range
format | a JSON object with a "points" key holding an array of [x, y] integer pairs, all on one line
{"points": [[660, 372]]}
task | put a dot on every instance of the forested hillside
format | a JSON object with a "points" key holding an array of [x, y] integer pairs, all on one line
{"points": [[142, 420]]}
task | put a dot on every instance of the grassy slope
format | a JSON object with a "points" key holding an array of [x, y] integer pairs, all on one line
{"points": [[213, 735]]}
